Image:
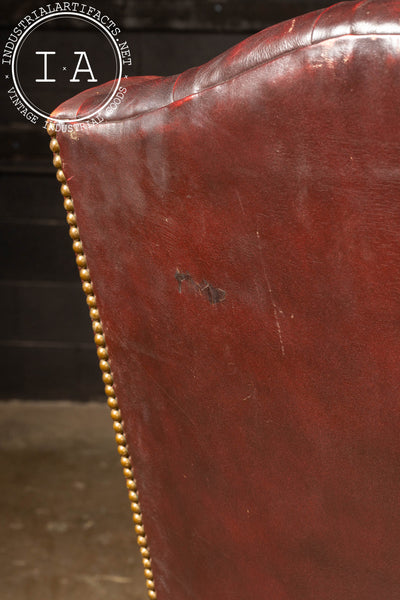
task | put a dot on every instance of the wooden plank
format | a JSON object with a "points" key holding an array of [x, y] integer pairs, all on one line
{"points": [[220, 15], [44, 312], [50, 372], [32, 196], [21, 141], [184, 50], [195, 15], [36, 252]]}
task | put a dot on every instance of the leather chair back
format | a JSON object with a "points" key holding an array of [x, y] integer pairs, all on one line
{"points": [[239, 236]]}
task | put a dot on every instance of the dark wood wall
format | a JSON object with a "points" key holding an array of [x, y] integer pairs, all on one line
{"points": [[46, 348]]}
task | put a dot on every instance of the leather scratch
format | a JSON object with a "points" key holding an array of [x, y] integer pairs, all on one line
{"points": [[271, 295]]}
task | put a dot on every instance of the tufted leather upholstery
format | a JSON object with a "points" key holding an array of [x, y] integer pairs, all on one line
{"points": [[241, 223]]}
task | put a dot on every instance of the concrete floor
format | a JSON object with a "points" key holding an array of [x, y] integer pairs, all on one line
{"points": [[65, 529]]}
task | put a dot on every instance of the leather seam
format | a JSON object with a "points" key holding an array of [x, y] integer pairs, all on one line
{"points": [[317, 20], [245, 72]]}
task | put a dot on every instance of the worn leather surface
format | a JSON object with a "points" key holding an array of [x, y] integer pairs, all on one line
{"points": [[242, 228]]}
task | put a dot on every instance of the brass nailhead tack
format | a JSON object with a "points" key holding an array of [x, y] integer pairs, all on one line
{"points": [[109, 390], [91, 300], [146, 562], [65, 190], [96, 326], [119, 429], [122, 450], [104, 366], [71, 218], [102, 352], [133, 497], [77, 246], [60, 176], [57, 161], [125, 461], [107, 378], [87, 287], [120, 439], [51, 128], [115, 414], [112, 402], [131, 484], [54, 146], [94, 313], [81, 262], [68, 204], [103, 361], [84, 274], [99, 339], [150, 584], [74, 233]]}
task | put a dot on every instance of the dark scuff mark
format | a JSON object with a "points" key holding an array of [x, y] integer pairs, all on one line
{"points": [[214, 295]]}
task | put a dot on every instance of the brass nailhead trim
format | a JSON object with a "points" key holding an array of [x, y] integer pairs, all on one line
{"points": [[68, 204], [101, 351], [104, 364], [107, 378]]}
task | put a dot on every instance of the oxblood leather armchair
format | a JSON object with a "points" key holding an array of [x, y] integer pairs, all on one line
{"points": [[241, 223]]}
